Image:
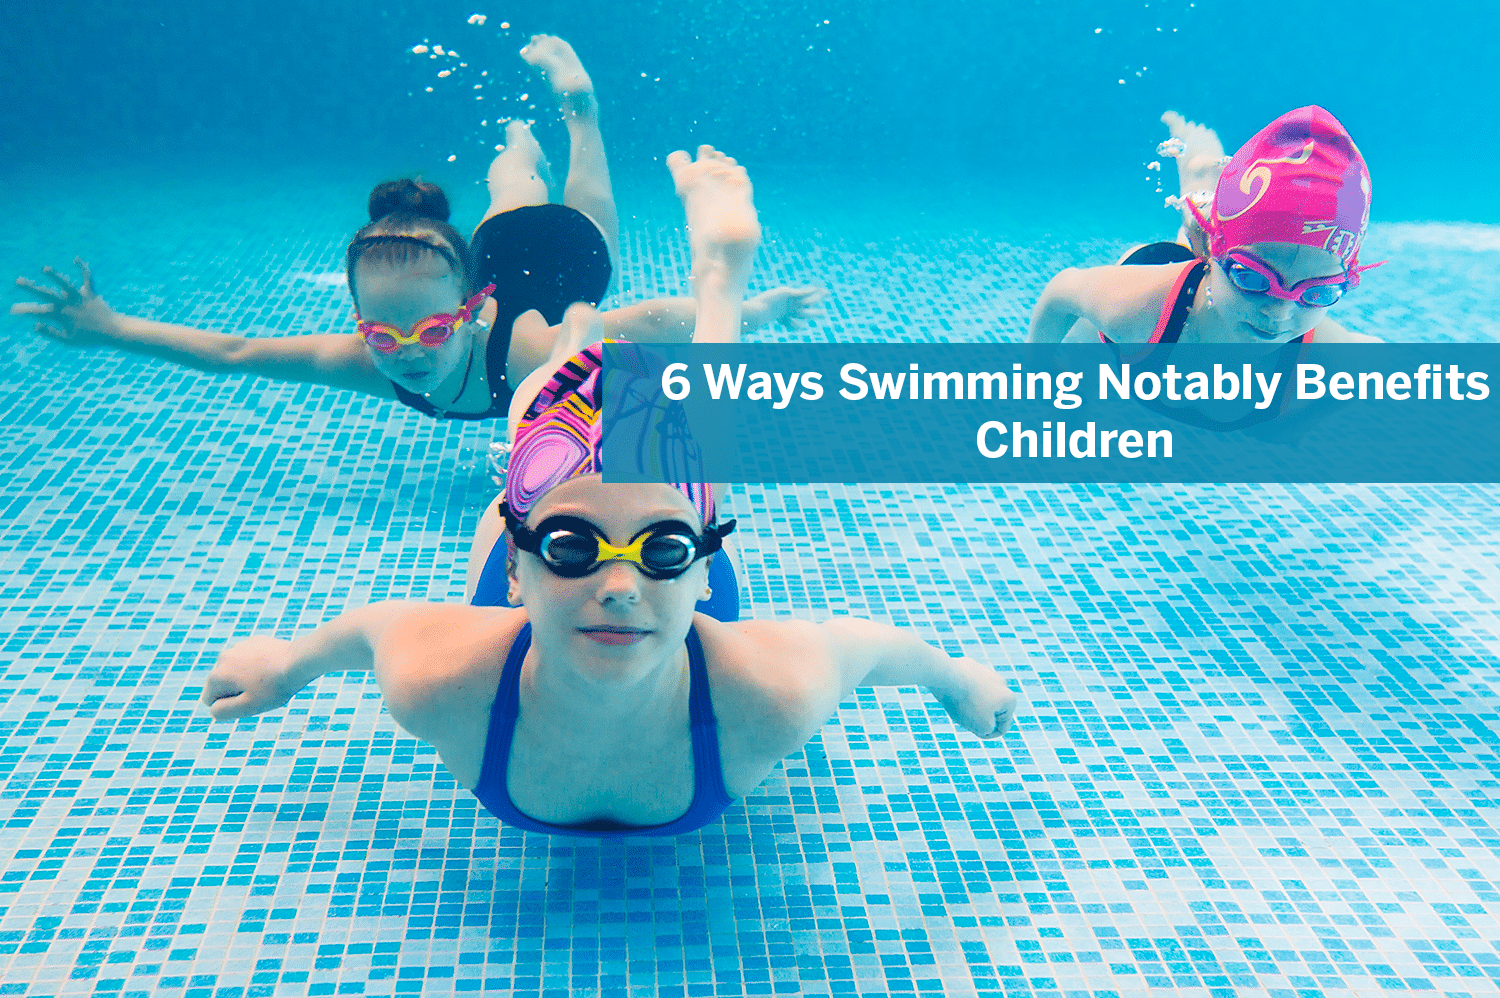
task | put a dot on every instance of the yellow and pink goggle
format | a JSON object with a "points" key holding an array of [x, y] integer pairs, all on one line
{"points": [[430, 332]]}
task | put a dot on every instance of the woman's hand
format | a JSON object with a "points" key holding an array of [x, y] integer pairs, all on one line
{"points": [[69, 313], [250, 678]]}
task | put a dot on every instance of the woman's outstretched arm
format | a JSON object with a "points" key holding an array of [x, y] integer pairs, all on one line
{"points": [[75, 315]]}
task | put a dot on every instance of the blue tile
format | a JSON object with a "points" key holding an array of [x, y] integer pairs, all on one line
{"points": [[1259, 746]]}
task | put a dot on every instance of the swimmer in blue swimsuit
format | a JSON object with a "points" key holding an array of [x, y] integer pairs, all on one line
{"points": [[444, 326], [605, 704]]}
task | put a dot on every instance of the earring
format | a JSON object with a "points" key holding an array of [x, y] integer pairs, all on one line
{"points": [[707, 595]]}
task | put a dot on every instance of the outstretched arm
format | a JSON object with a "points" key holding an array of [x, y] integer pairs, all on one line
{"points": [[672, 320], [431, 661], [74, 314], [870, 654], [1057, 309], [263, 673]]}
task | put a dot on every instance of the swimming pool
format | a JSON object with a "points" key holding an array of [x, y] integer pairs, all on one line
{"points": [[1261, 760], [1258, 758]]}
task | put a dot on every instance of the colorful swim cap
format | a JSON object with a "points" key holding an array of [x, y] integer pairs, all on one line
{"points": [[561, 437], [1299, 180]]}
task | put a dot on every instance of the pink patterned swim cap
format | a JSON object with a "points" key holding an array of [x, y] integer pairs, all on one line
{"points": [[561, 436], [1299, 180]]}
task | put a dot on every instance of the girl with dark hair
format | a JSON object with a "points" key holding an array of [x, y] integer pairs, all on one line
{"points": [[445, 327]]}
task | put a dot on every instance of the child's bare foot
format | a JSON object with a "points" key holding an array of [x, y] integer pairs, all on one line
{"points": [[723, 228], [1200, 162], [564, 73], [792, 308], [980, 700]]}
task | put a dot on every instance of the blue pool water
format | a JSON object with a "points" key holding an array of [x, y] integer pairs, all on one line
{"points": [[1257, 752]]}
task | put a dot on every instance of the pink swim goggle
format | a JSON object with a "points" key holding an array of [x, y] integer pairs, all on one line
{"points": [[432, 331], [1252, 275]]}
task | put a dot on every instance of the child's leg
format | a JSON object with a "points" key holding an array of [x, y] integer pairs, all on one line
{"points": [[519, 175], [588, 187]]}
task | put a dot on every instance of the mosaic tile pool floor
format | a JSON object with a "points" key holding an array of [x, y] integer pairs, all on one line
{"points": [[1258, 754]]}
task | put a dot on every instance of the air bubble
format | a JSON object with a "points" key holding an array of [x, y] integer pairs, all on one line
{"points": [[452, 158], [504, 25], [476, 18], [419, 50], [1153, 165], [446, 72], [1172, 148]]}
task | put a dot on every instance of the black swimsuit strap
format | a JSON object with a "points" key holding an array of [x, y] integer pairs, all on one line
{"points": [[496, 354], [1178, 317]]}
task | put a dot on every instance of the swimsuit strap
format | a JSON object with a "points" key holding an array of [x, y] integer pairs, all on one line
{"points": [[709, 794], [491, 789], [1175, 310]]}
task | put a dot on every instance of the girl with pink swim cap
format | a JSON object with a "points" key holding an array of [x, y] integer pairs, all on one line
{"points": [[1279, 245], [586, 709]]}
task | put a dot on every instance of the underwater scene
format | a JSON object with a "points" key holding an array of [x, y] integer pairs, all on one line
{"points": [[319, 673]]}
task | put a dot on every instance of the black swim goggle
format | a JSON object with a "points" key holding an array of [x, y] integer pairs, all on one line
{"points": [[572, 547]]}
